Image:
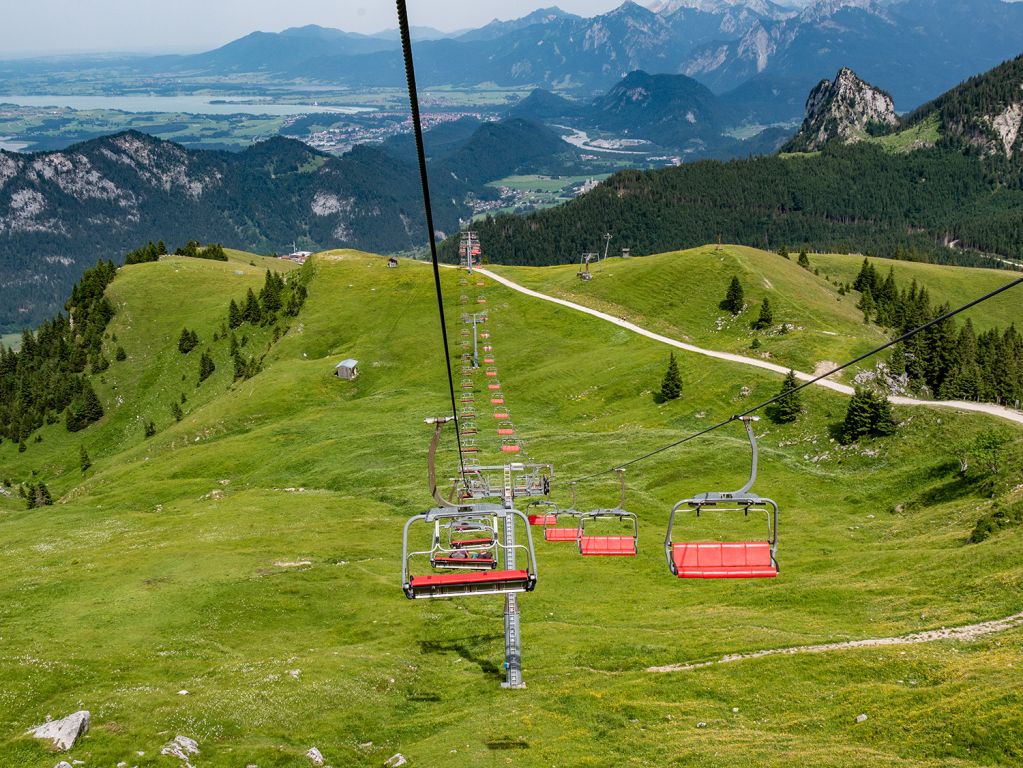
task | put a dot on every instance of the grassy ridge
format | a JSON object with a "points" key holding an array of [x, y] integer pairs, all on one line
{"points": [[678, 294], [157, 572]]}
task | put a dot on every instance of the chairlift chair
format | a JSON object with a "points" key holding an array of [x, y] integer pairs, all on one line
{"points": [[479, 283], [609, 544], [493, 385], [726, 559], [553, 532], [505, 428], [488, 359], [484, 334], [510, 445], [501, 413], [481, 300], [545, 512], [467, 581], [492, 372], [498, 400]]}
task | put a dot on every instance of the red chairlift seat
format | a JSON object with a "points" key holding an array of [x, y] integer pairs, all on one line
{"points": [[510, 446], [479, 283], [723, 560], [488, 348], [494, 385], [612, 546], [481, 300], [497, 401], [472, 583], [484, 334], [483, 542], [488, 360], [505, 428], [560, 534], [492, 372], [500, 414]]}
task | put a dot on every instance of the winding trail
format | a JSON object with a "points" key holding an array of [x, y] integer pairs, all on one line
{"points": [[964, 634], [990, 409]]}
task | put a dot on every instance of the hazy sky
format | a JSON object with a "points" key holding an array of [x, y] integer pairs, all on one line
{"points": [[40, 26]]}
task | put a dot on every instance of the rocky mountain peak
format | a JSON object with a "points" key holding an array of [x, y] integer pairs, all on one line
{"points": [[842, 109]]}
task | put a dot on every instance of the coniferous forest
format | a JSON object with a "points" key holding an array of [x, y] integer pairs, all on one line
{"points": [[941, 204]]}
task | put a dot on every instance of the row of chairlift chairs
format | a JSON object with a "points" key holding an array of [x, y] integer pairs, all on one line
{"points": [[473, 550]]}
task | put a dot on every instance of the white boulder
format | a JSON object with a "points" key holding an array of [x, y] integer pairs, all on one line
{"points": [[65, 732]]}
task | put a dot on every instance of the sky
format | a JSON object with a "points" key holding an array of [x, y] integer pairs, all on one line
{"points": [[36, 27]]}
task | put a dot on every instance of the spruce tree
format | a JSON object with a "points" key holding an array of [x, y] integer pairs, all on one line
{"points": [[149, 429], [83, 458], [671, 385], [734, 299], [206, 366], [187, 341], [788, 408], [882, 422], [84, 409], [41, 496], [176, 412], [766, 317], [234, 315], [858, 416], [804, 260], [120, 354], [783, 252], [251, 313]]}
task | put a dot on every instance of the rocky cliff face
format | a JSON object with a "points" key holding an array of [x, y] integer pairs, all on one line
{"points": [[843, 109]]}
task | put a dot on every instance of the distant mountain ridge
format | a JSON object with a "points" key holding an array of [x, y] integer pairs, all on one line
{"points": [[61, 211], [723, 44]]}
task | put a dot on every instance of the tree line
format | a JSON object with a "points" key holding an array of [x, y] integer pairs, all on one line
{"points": [[46, 379]]}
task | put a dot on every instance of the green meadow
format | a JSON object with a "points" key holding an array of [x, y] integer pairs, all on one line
{"points": [[236, 577]]}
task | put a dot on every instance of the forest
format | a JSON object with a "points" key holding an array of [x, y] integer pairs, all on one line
{"points": [[940, 204]]}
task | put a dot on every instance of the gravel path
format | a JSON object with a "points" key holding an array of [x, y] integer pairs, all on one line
{"points": [[998, 411], [962, 634]]}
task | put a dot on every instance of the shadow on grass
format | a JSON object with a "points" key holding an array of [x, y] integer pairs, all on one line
{"points": [[468, 649]]}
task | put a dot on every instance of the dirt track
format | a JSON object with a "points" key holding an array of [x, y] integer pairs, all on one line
{"points": [[963, 634], [992, 410]]}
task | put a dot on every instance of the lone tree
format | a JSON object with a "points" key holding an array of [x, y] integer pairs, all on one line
{"points": [[176, 412], [83, 458], [671, 386], [766, 318], [787, 409], [869, 413], [803, 260], [734, 301], [206, 366]]}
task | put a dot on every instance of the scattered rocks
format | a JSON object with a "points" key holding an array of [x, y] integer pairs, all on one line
{"points": [[315, 755], [861, 718], [181, 747], [395, 760], [65, 732], [292, 563], [62, 764], [701, 725]]}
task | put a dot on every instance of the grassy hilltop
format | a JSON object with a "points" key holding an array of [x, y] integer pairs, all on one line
{"points": [[249, 554]]}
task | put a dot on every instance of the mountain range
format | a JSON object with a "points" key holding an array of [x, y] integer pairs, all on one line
{"points": [[61, 211], [919, 48]]}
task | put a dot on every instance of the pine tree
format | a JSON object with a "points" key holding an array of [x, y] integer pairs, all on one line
{"points": [[187, 341], [788, 408], [84, 409], [206, 366], [41, 496], [176, 412], [83, 458], [734, 299], [867, 305], [234, 315], [149, 429], [783, 252], [120, 354], [858, 416], [251, 313], [766, 318], [671, 385], [804, 260]]}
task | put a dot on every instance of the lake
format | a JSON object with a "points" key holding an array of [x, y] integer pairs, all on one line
{"points": [[192, 105]]}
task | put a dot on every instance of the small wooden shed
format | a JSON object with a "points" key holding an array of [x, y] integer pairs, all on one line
{"points": [[347, 369]]}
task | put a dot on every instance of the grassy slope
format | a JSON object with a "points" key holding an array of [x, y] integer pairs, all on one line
{"points": [[156, 573], [677, 294]]}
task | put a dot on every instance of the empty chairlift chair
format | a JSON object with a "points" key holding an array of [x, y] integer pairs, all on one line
{"points": [[494, 385], [465, 580], [464, 545], [492, 372], [505, 429], [725, 559], [622, 542], [557, 530], [541, 512]]}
